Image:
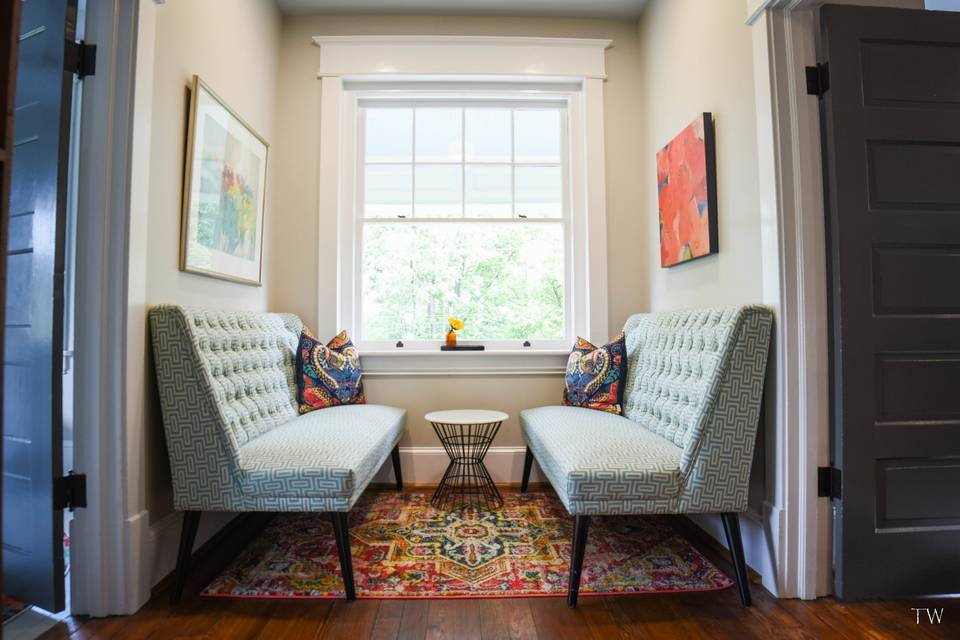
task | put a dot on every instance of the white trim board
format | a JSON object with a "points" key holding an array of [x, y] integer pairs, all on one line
{"points": [[521, 57], [164, 539], [106, 549], [425, 465], [482, 363], [794, 263], [365, 59], [757, 531]]}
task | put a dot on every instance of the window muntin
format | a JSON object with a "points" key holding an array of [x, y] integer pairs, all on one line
{"points": [[463, 210]]}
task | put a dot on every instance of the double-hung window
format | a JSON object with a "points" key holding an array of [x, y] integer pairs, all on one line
{"points": [[463, 209]]}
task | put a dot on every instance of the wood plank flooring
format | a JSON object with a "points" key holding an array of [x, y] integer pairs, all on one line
{"points": [[686, 616]]}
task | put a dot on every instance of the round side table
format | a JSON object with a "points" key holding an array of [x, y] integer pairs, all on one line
{"points": [[466, 435]]}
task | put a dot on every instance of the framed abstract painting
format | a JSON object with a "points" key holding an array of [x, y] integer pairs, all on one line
{"points": [[687, 194], [223, 192]]}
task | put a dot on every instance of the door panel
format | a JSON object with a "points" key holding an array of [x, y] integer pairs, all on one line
{"points": [[33, 330], [891, 121], [900, 480], [908, 280], [913, 176], [890, 80], [918, 389]]}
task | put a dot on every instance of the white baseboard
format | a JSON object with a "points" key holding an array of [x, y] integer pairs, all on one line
{"points": [[139, 547], [165, 540], [425, 465], [759, 533]]}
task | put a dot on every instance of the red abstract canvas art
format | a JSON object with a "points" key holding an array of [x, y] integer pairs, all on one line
{"points": [[687, 192]]}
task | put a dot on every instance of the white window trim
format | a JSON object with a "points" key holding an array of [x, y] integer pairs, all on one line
{"points": [[352, 64]]}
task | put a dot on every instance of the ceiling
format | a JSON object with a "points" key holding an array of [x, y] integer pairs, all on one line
{"points": [[575, 8]]}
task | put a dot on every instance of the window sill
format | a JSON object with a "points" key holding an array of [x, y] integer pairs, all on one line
{"points": [[405, 352], [433, 362]]}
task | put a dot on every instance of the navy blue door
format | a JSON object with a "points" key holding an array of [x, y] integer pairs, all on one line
{"points": [[32, 409]]}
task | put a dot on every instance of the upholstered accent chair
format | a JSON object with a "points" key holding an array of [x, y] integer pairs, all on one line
{"points": [[234, 435], [684, 443]]}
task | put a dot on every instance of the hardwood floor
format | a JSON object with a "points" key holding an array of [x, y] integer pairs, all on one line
{"points": [[687, 616]]}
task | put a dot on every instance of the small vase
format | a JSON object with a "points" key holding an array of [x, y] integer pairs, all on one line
{"points": [[451, 338]]}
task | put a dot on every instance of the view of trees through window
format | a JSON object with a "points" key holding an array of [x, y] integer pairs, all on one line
{"points": [[505, 281], [462, 215]]}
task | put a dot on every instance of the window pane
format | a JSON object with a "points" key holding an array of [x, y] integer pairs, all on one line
{"points": [[537, 135], [488, 191], [438, 191], [539, 192], [487, 135], [504, 280], [389, 135], [438, 135], [388, 191]]}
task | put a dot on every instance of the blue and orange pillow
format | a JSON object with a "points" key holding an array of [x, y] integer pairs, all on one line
{"points": [[328, 375], [595, 375]]}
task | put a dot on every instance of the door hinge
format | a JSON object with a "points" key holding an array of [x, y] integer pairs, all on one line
{"points": [[81, 58], [828, 483], [818, 79], [70, 491]]}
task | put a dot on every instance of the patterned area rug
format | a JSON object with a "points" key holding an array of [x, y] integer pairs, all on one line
{"points": [[404, 548]]}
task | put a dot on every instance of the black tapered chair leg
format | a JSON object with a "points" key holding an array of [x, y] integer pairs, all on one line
{"points": [[342, 534], [395, 456], [580, 526], [731, 527], [527, 466], [188, 533]]}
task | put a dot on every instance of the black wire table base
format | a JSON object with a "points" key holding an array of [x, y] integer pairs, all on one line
{"points": [[466, 482]]}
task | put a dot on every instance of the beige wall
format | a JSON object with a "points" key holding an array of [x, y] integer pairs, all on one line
{"points": [[696, 56], [300, 275], [232, 45]]}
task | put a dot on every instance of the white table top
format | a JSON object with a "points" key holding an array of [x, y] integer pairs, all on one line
{"points": [[466, 416]]}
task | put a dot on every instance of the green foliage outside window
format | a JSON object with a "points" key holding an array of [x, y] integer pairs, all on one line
{"points": [[505, 280]]}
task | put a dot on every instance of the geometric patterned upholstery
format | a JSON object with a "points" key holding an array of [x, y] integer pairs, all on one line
{"points": [[226, 380], [603, 456], [695, 380], [325, 453]]}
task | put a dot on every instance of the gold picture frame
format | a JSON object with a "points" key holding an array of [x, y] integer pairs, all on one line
{"points": [[224, 192]]}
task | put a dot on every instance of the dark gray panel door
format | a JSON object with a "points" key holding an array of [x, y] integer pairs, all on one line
{"points": [[32, 410], [891, 119]]}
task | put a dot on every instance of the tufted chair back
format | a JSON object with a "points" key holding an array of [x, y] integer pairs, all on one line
{"points": [[233, 369], [686, 371]]}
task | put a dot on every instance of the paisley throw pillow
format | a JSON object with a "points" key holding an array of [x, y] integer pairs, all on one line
{"points": [[328, 375], [595, 375]]}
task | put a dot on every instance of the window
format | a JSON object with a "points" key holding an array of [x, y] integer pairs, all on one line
{"points": [[463, 209]]}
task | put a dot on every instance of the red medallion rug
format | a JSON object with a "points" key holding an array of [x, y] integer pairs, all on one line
{"points": [[404, 548]]}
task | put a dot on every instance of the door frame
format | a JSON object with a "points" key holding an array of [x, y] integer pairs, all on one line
{"points": [[785, 41], [105, 574], [795, 283]]}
